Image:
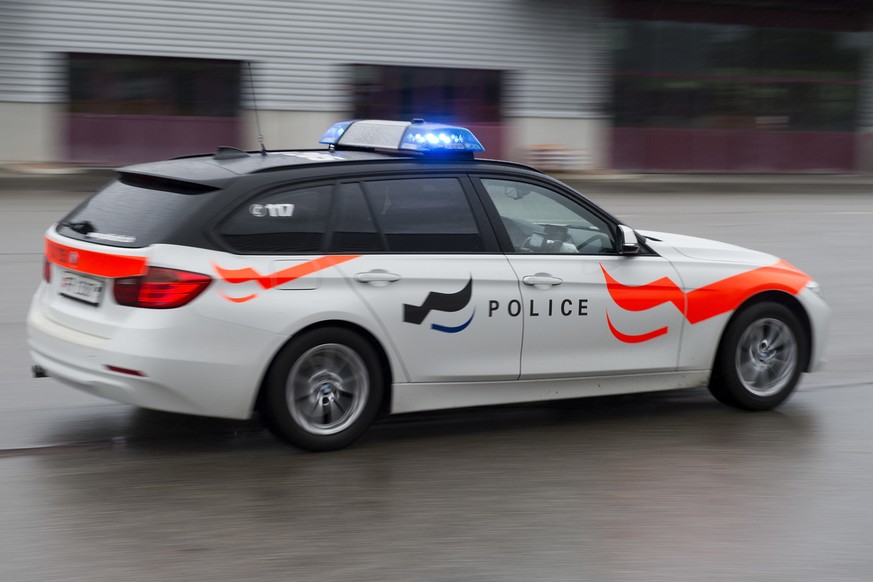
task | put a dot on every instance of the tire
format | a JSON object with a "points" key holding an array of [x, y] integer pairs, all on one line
{"points": [[760, 358], [323, 390]]}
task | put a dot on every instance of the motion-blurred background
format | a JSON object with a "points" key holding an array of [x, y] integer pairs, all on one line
{"points": [[623, 85]]}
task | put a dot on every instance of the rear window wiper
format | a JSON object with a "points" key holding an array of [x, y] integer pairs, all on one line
{"points": [[82, 226]]}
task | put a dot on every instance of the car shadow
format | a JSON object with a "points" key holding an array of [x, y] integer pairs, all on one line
{"points": [[665, 417]]}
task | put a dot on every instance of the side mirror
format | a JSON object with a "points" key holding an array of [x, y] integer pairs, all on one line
{"points": [[627, 241]]}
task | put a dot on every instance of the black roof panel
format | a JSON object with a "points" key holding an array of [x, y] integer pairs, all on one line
{"points": [[206, 168]]}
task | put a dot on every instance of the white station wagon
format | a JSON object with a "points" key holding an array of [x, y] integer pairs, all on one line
{"points": [[391, 272]]}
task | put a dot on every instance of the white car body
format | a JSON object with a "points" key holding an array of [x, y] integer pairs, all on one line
{"points": [[209, 357], [408, 282]]}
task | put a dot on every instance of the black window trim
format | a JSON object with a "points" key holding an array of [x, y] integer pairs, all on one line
{"points": [[489, 237]]}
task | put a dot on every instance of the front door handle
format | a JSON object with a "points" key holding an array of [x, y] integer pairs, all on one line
{"points": [[541, 280], [377, 277]]}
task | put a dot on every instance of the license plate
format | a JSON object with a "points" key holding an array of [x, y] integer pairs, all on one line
{"points": [[76, 286]]}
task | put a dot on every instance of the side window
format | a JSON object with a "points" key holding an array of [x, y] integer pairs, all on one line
{"points": [[290, 221], [539, 220], [430, 215], [353, 228]]}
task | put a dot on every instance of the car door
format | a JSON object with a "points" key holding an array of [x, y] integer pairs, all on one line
{"points": [[429, 270], [587, 310]]}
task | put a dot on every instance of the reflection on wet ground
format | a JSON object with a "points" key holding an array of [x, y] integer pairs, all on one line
{"points": [[644, 487]]}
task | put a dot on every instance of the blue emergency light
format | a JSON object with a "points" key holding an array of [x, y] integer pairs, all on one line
{"points": [[415, 135], [335, 132]]}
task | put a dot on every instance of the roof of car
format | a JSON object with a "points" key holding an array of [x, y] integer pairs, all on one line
{"points": [[229, 163]]}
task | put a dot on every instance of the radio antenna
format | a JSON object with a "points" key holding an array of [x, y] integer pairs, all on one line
{"points": [[255, 103]]}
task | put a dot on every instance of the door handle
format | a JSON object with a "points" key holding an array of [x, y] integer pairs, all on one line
{"points": [[541, 280], [377, 277]]}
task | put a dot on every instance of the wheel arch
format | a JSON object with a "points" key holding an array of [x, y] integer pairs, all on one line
{"points": [[787, 300], [384, 406]]}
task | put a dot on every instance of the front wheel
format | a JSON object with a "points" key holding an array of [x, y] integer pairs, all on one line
{"points": [[760, 359], [323, 390]]}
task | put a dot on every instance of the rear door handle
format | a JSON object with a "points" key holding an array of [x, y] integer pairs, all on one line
{"points": [[377, 277], [541, 280]]}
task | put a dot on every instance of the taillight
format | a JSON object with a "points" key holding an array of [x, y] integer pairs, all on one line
{"points": [[46, 271], [160, 288]]}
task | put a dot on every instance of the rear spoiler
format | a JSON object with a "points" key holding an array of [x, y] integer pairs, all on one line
{"points": [[152, 182]]}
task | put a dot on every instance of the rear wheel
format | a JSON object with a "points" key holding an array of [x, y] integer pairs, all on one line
{"points": [[323, 390], [760, 358]]}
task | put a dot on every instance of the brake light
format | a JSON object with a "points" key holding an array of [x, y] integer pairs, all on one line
{"points": [[160, 288], [46, 270]]}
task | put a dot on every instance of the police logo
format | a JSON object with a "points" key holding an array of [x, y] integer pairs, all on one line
{"points": [[445, 302]]}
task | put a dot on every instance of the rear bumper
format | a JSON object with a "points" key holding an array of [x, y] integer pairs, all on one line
{"points": [[209, 369]]}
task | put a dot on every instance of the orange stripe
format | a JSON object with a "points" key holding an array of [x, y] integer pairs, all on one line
{"points": [[237, 299], [635, 339], [643, 297], [235, 276], [712, 300], [703, 303], [94, 262], [272, 280], [728, 294]]}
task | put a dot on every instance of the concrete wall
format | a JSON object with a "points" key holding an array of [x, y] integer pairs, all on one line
{"points": [[288, 129], [864, 150], [555, 143], [31, 132]]}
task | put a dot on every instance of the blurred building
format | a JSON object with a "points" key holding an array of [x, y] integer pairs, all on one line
{"points": [[629, 85]]}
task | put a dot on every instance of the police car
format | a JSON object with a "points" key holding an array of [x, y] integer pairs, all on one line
{"points": [[392, 272]]}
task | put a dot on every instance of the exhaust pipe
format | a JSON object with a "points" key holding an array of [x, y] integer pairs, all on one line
{"points": [[38, 371]]}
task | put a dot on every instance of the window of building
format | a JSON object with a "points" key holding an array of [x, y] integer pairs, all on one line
{"points": [[440, 95], [733, 76], [146, 85]]}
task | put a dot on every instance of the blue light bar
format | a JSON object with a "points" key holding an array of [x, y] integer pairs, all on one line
{"points": [[415, 136], [432, 137], [336, 131]]}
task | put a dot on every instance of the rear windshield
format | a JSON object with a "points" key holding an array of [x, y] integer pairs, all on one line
{"points": [[125, 215]]}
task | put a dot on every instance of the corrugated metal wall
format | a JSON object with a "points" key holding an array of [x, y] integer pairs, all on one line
{"points": [[554, 50]]}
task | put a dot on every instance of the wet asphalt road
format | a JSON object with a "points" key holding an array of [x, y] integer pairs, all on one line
{"points": [[668, 486]]}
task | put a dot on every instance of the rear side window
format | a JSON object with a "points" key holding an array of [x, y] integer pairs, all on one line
{"points": [[353, 228], [288, 221], [132, 216], [424, 215]]}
